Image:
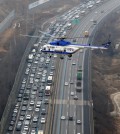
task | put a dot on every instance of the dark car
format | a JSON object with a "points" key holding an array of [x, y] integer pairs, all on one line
{"points": [[43, 112], [70, 118], [10, 128]]}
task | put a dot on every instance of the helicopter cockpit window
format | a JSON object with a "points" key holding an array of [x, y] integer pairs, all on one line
{"points": [[44, 48], [64, 50]]}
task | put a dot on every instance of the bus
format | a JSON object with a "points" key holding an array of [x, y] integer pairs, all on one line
{"points": [[50, 80], [47, 90]]}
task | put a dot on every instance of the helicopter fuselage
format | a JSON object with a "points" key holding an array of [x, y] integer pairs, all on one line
{"points": [[69, 49]]}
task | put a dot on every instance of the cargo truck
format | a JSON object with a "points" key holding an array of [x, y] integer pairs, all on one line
{"points": [[86, 34], [79, 75], [40, 131]]}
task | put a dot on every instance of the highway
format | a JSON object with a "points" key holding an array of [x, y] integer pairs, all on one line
{"points": [[62, 102], [65, 105]]}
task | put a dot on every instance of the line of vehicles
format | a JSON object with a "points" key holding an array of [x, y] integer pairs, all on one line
{"points": [[31, 105], [33, 95]]}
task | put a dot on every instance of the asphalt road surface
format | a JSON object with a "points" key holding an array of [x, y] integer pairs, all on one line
{"points": [[65, 105]]}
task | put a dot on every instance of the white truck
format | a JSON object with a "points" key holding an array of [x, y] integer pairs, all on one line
{"points": [[40, 131], [30, 57]]}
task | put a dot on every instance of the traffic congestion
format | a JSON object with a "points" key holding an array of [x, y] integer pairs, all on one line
{"points": [[30, 112]]}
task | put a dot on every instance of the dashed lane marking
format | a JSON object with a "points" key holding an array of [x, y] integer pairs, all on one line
{"points": [[72, 102]]}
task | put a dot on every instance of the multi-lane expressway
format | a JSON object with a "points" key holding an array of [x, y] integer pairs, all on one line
{"points": [[66, 72], [65, 104]]}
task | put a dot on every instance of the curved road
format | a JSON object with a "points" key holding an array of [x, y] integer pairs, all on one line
{"points": [[65, 105]]}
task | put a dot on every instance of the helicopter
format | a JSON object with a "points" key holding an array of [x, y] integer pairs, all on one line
{"points": [[64, 47]]}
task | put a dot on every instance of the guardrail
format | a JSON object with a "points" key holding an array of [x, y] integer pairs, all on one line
{"points": [[11, 99]]}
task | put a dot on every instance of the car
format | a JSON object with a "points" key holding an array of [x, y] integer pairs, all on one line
{"points": [[66, 83], [15, 110], [73, 63], [30, 108], [12, 123], [14, 114], [32, 103], [40, 94], [33, 131], [42, 120], [70, 118], [18, 127], [24, 108], [43, 111], [71, 82], [35, 119], [62, 117], [72, 93], [75, 97], [34, 125], [51, 73], [25, 128], [78, 122], [28, 117], [46, 101], [10, 128], [22, 113], [27, 122], [21, 118], [25, 103], [37, 109], [24, 132]]}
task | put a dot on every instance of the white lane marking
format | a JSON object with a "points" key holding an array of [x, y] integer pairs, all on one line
{"points": [[66, 131], [74, 113], [74, 131], [74, 123]]}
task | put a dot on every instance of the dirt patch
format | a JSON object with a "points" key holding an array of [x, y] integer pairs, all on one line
{"points": [[106, 78]]}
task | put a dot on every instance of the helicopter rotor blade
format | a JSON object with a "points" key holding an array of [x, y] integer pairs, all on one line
{"points": [[25, 35], [47, 34]]}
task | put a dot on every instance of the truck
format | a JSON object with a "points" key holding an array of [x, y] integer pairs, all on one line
{"points": [[48, 90], [50, 80], [40, 131], [79, 75], [30, 58], [86, 34]]}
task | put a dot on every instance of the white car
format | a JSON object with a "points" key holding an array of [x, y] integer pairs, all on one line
{"points": [[73, 63], [37, 109], [42, 120], [25, 128], [62, 117], [78, 122], [33, 132], [66, 83], [28, 117], [72, 93]]}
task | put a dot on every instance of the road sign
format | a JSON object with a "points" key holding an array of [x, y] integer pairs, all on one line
{"points": [[75, 21]]}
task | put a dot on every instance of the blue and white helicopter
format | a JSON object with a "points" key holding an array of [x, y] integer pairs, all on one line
{"points": [[64, 47]]}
